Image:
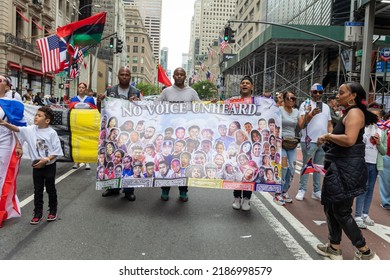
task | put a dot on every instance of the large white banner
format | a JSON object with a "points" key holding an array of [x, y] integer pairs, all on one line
{"points": [[156, 144]]}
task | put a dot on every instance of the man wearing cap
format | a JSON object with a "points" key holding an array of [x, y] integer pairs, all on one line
{"points": [[315, 120], [149, 167], [178, 92], [137, 170]]}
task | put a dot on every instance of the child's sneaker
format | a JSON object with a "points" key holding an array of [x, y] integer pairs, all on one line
{"points": [[278, 199], [286, 198], [37, 217], [52, 215]]}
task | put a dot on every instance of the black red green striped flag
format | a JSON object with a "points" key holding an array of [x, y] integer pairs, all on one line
{"points": [[83, 32]]}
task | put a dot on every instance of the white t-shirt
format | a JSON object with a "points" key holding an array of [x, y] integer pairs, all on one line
{"points": [[319, 123], [371, 150], [16, 96], [42, 142]]}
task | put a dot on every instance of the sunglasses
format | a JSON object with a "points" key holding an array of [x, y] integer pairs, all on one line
{"points": [[290, 98], [317, 92]]}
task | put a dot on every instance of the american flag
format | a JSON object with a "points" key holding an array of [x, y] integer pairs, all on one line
{"points": [[223, 44], [49, 49]]}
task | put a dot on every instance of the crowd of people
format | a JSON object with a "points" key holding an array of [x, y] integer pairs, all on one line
{"points": [[343, 133]]}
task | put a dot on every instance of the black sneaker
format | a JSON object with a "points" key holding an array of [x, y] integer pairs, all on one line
{"points": [[110, 192], [52, 215], [37, 218], [130, 196]]}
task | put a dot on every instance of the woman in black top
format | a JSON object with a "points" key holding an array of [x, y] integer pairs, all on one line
{"points": [[346, 174]]}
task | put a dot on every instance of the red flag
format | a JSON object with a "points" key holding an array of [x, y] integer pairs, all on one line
{"points": [[162, 76]]}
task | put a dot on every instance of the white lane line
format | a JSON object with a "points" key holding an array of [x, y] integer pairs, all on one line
{"points": [[59, 179], [291, 244]]}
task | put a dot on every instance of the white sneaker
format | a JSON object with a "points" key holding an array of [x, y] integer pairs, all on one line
{"points": [[367, 220], [246, 205], [87, 166], [237, 203], [286, 198], [360, 223], [75, 166], [316, 195], [300, 195]]}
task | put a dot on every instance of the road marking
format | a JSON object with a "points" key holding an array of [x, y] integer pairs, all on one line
{"points": [[59, 179], [292, 244], [318, 223]]}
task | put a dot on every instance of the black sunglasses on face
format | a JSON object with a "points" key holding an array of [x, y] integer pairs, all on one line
{"points": [[317, 92], [290, 98]]}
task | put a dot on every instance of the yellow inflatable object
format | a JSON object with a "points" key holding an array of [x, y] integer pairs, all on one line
{"points": [[84, 126]]}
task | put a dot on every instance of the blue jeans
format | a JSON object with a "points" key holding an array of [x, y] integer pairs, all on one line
{"points": [[288, 172], [384, 182], [317, 154], [363, 201]]}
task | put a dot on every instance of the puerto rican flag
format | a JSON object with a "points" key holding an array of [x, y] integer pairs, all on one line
{"points": [[311, 167], [9, 202]]}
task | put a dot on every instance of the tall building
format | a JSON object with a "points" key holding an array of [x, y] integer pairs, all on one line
{"points": [[140, 58], [151, 12], [210, 17], [164, 58]]}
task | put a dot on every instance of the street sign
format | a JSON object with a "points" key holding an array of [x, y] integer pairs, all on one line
{"points": [[380, 66], [353, 31], [385, 54]]}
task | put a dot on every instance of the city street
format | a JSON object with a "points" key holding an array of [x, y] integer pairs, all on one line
{"points": [[90, 227]]}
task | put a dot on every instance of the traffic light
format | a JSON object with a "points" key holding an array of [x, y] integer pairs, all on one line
{"points": [[231, 37], [111, 42], [119, 46], [226, 35]]}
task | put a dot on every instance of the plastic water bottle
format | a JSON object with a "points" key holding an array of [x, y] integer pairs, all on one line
{"points": [[307, 104]]}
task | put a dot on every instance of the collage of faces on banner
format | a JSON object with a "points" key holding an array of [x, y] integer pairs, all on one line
{"points": [[233, 148]]}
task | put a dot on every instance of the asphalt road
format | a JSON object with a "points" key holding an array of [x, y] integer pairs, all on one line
{"points": [[90, 227]]}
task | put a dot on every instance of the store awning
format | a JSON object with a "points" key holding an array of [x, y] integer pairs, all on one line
{"points": [[32, 71], [13, 65]]}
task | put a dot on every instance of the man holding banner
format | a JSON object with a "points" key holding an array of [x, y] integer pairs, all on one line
{"points": [[123, 90], [178, 93]]}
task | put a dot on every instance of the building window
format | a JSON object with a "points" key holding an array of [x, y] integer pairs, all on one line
{"points": [[134, 69], [143, 40], [135, 39], [142, 49], [135, 59], [142, 70], [135, 49]]}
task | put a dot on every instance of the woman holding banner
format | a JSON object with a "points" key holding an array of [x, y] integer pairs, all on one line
{"points": [[10, 154]]}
